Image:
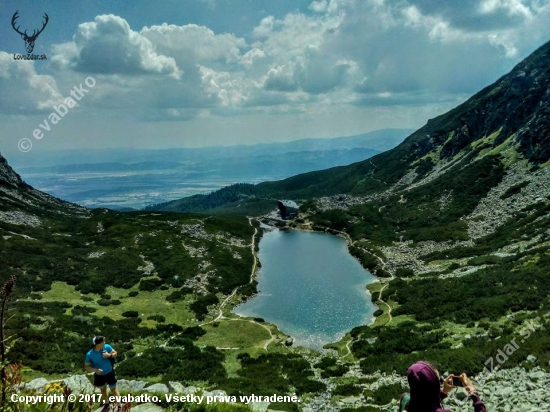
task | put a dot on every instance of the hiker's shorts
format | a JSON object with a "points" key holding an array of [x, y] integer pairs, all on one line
{"points": [[108, 379]]}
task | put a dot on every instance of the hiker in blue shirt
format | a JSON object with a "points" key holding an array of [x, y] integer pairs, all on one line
{"points": [[100, 361]]}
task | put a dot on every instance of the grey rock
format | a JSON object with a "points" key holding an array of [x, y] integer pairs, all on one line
{"points": [[531, 359], [176, 387], [189, 390], [147, 407], [537, 375], [36, 384], [157, 388], [504, 392], [79, 384], [130, 386], [258, 406], [216, 392], [350, 399]]}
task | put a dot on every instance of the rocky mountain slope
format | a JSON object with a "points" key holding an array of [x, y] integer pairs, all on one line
{"points": [[17, 195], [455, 222], [138, 278], [509, 119]]}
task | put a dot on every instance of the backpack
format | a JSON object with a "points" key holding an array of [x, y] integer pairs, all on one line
{"points": [[111, 359], [404, 402]]}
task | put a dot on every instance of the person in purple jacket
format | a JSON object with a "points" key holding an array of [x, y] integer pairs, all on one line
{"points": [[426, 394]]}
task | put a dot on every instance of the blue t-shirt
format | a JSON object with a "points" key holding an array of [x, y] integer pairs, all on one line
{"points": [[96, 360]]}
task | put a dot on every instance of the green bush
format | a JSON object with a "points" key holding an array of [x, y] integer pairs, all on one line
{"points": [[130, 314], [348, 389], [200, 306], [404, 273], [185, 365], [272, 373], [157, 318], [514, 190], [193, 332], [175, 296], [362, 409], [107, 302], [484, 260], [83, 310], [385, 394], [150, 284]]}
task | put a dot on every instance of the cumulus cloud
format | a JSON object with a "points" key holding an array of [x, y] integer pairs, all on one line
{"points": [[109, 46], [511, 7], [362, 52], [228, 89], [282, 78], [250, 56], [194, 43], [483, 15], [265, 27], [23, 90], [319, 6]]}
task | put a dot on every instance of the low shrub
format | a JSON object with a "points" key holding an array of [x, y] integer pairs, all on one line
{"points": [[130, 314]]}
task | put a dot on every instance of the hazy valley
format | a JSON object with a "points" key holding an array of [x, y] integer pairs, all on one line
{"points": [[133, 179]]}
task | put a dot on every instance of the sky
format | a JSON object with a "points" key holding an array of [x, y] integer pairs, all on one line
{"points": [[163, 74]]}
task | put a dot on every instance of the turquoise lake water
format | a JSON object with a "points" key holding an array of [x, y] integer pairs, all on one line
{"points": [[310, 287]]}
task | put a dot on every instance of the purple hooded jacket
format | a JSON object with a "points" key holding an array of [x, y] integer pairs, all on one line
{"points": [[426, 394]]}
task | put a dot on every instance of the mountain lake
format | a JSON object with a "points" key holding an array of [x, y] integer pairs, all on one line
{"points": [[311, 287]]}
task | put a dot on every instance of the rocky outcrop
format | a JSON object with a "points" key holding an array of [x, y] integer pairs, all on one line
{"points": [[496, 208], [156, 388], [14, 192], [79, 384], [8, 175], [508, 390], [130, 386]]}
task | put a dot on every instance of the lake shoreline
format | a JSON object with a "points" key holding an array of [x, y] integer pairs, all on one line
{"points": [[323, 324]]}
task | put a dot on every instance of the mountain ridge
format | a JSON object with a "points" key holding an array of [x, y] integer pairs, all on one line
{"points": [[514, 110]]}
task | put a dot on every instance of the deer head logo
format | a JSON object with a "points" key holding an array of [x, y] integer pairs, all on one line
{"points": [[29, 40]]}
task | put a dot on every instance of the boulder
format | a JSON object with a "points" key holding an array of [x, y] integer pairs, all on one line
{"points": [[130, 386], [216, 392], [176, 387], [79, 384], [157, 388], [536, 375], [259, 406], [189, 390], [37, 384], [147, 407]]}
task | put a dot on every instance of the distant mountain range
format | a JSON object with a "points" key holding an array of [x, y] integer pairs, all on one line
{"points": [[132, 178], [380, 140]]}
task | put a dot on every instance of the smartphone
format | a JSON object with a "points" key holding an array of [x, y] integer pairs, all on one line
{"points": [[457, 381]]}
